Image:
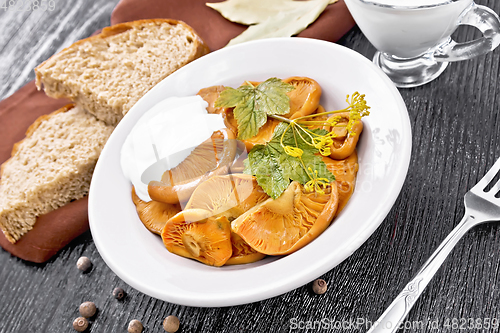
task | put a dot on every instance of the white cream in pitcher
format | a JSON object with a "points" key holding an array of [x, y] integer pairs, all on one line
{"points": [[396, 27], [410, 3]]}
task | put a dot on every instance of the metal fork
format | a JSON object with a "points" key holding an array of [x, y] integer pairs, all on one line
{"points": [[482, 204]]}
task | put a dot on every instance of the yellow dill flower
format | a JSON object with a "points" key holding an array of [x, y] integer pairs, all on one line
{"points": [[293, 151], [332, 121], [303, 133], [316, 184], [357, 110], [323, 143]]}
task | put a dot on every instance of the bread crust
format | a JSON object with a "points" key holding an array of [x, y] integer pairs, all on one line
{"points": [[201, 47], [31, 129], [29, 132], [66, 181]]}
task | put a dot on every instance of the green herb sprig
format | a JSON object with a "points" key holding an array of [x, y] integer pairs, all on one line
{"points": [[294, 152], [252, 104]]}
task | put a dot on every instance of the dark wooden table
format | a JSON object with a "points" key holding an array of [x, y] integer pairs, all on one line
{"points": [[456, 138]]}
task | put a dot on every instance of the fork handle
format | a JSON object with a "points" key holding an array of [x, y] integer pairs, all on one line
{"points": [[393, 317]]}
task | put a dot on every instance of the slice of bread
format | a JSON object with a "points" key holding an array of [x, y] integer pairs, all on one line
{"points": [[49, 168], [108, 73]]}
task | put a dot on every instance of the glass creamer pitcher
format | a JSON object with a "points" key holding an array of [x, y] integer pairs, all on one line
{"points": [[412, 37]]}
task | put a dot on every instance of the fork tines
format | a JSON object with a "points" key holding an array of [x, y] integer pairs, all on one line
{"points": [[490, 182]]}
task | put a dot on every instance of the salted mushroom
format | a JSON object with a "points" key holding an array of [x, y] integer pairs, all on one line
{"points": [[344, 143], [304, 99], [230, 196], [284, 225], [212, 157], [154, 214], [345, 172], [196, 234]]}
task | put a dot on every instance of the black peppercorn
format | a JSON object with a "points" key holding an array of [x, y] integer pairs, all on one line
{"points": [[80, 324], [118, 293], [135, 326], [87, 309], [83, 264], [171, 324], [319, 286]]}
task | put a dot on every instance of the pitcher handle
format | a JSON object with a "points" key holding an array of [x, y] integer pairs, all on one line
{"points": [[487, 21]]}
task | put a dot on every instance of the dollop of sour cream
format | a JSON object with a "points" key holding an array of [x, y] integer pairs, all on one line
{"points": [[174, 126]]}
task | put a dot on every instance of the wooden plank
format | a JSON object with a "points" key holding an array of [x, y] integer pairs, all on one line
{"points": [[456, 131], [28, 38]]}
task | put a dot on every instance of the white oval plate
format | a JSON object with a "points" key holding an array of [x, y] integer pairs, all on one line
{"points": [[139, 258]]}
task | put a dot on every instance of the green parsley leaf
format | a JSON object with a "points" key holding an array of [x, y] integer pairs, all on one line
{"points": [[274, 169], [253, 104]]}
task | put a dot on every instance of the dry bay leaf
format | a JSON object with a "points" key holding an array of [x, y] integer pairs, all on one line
{"points": [[283, 23], [252, 11]]}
